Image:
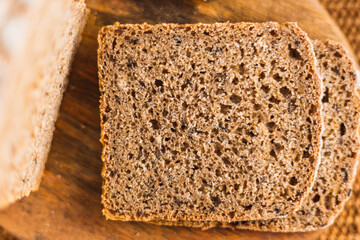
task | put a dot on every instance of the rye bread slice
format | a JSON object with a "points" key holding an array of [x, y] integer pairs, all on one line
{"points": [[217, 122], [338, 166], [37, 41]]}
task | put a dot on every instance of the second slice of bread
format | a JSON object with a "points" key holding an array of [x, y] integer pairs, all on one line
{"points": [[339, 154], [215, 122]]}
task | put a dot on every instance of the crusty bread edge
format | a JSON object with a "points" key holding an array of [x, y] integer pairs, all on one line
{"points": [[350, 183], [294, 27], [351, 62], [76, 42]]}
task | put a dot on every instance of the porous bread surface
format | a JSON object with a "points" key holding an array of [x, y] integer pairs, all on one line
{"points": [[337, 170], [34, 79], [208, 121]]}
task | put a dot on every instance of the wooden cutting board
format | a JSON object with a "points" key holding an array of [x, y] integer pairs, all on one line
{"points": [[67, 205]]}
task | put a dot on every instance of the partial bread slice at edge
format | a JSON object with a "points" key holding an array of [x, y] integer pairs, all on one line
{"points": [[35, 77]]}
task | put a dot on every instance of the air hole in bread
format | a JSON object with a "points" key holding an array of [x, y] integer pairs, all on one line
{"points": [[278, 147], [155, 124], [274, 100], [337, 201], [226, 160], [273, 154], [262, 75], [342, 129], [292, 105], [114, 44], [242, 69], [325, 98], [274, 33], [285, 91], [218, 149], [316, 198], [265, 88], [185, 146], [235, 81], [306, 154], [131, 63], [235, 151], [294, 53], [271, 126], [293, 181], [248, 207], [215, 201], [309, 137], [257, 107], [338, 55], [335, 70], [329, 201], [251, 133], [312, 110], [235, 98], [277, 77], [219, 91], [224, 109], [346, 174]]}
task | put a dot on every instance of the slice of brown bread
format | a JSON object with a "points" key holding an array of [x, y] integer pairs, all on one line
{"points": [[207, 121], [339, 154], [37, 42]]}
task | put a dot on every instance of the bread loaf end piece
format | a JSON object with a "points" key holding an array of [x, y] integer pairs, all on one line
{"points": [[35, 62]]}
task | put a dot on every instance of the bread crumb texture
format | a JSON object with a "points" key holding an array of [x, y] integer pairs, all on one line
{"points": [[339, 153], [207, 122]]}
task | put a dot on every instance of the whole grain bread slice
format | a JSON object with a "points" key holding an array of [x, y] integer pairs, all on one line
{"points": [[37, 42], [217, 122], [339, 154]]}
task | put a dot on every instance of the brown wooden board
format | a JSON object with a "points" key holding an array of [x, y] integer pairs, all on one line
{"points": [[67, 205]]}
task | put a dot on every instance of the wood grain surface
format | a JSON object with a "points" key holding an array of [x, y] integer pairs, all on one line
{"points": [[67, 205]]}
